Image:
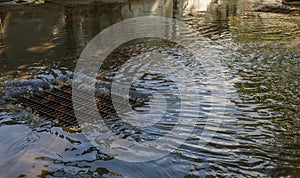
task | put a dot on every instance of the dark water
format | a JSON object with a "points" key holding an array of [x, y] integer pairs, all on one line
{"points": [[259, 134]]}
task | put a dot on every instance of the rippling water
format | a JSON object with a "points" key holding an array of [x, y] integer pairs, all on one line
{"points": [[258, 54]]}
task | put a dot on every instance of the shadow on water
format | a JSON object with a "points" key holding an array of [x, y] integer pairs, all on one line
{"points": [[260, 53]]}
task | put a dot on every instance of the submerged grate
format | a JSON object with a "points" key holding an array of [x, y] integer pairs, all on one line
{"points": [[56, 104]]}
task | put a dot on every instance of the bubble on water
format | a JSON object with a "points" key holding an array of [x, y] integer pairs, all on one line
{"points": [[32, 137]]}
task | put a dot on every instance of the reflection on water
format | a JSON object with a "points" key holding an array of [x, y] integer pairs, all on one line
{"points": [[60, 37], [259, 135]]}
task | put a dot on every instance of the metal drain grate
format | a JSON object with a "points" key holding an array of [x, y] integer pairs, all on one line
{"points": [[56, 104]]}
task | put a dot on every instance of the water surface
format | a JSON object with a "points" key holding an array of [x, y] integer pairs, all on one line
{"points": [[259, 54]]}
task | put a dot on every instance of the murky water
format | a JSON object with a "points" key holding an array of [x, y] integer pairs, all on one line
{"points": [[259, 55]]}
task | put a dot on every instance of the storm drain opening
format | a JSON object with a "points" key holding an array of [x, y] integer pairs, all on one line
{"points": [[56, 105]]}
